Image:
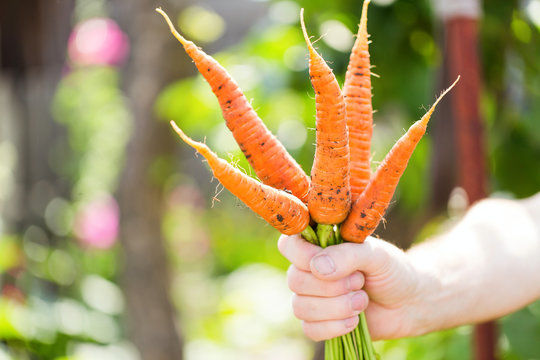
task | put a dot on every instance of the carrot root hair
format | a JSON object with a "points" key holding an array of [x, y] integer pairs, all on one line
{"points": [[283, 211], [176, 34], [265, 153], [369, 208], [358, 98], [329, 198]]}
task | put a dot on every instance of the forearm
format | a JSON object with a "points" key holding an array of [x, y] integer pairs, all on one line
{"points": [[485, 267]]}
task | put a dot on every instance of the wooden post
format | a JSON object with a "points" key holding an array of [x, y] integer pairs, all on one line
{"points": [[461, 50], [151, 317]]}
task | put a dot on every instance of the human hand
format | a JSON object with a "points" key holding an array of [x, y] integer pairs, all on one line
{"points": [[332, 286]]}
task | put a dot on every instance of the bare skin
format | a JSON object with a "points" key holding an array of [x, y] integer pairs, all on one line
{"points": [[485, 267]]}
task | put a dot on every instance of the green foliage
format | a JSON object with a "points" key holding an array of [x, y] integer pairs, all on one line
{"points": [[522, 331], [450, 344], [59, 296], [90, 104], [223, 259]]}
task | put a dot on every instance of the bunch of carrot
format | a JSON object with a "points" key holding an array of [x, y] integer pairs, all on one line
{"points": [[342, 200]]}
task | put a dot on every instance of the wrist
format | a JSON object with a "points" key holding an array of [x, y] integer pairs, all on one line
{"points": [[424, 312]]}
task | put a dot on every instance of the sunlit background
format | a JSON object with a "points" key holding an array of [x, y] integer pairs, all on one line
{"points": [[115, 240]]}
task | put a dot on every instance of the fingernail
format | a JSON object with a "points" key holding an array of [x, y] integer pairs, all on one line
{"points": [[351, 322], [323, 264], [358, 301], [356, 281]]}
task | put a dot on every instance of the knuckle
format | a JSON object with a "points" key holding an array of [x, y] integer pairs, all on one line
{"points": [[293, 279], [298, 308], [311, 331], [345, 255], [355, 281], [282, 244]]}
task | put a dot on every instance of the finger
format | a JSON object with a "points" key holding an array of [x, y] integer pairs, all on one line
{"points": [[304, 283], [372, 257], [312, 308], [297, 250], [324, 330]]}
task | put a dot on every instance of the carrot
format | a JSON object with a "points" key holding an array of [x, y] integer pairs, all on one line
{"points": [[283, 211], [329, 197], [369, 208], [357, 92], [268, 157]]}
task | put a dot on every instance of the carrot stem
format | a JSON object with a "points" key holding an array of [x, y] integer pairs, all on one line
{"points": [[328, 350], [366, 338], [349, 347], [310, 235], [325, 233], [357, 344]]}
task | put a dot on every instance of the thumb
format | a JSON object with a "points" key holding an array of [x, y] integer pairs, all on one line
{"points": [[372, 257]]}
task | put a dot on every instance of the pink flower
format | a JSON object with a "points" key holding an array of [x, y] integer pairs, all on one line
{"points": [[98, 41], [96, 223]]}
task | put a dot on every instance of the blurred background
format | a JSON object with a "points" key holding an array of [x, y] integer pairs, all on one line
{"points": [[115, 240]]}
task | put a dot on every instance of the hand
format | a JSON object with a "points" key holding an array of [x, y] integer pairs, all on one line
{"points": [[328, 287]]}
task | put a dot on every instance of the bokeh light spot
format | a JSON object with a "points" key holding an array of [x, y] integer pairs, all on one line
{"points": [[422, 43], [383, 2], [59, 216], [62, 268], [97, 222], [201, 24], [337, 35], [221, 139], [102, 295], [521, 30], [101, 327], [98, 41], [533, 11], [292, 133], [247, 76], [284, 12], [36, 244], [295, 58], [69, 316]]}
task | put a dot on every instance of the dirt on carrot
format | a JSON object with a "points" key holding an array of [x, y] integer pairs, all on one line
{"points": [[357, 92], [329, 198], [344, 200], [369, 208], [283, 211], [268, 157]]}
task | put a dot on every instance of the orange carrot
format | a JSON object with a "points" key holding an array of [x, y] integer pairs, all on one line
{"points": [[369, 208], [357, 92], [283, 211], [329, 198], [268, 157]]}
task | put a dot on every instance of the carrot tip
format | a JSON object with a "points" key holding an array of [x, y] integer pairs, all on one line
{"points": [[179, 131], [200, 147], [427, 116], [177, 35], [363, 18], [304, 31]]}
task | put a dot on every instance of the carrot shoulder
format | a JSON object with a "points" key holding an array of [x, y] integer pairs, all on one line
{"points": [[283, 211], [329, 194], [268, 157], [368, 210], [357, 92]]}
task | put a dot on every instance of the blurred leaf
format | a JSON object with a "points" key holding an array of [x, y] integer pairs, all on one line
{"points": [[190, 103], [523, 331], [516, 163], [10, 253]]}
